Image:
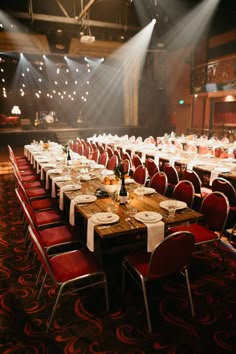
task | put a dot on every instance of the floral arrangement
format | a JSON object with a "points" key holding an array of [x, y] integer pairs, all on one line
{"points": [[66, 147], [120, 172]]}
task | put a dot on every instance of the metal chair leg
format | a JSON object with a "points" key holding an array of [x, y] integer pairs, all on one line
{"points": [[42, 286], [54, 308], [146, 306], [189, 292]]}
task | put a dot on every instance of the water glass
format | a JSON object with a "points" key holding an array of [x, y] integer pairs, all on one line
{"points": [[172, 204]]}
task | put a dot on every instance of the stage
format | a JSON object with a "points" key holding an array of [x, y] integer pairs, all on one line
{"points": [[17, 137]]}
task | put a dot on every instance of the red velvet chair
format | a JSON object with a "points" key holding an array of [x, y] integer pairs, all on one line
{"points": [[69, 271], [103, 159], [172, 176], [109, 151], [200, 192], [112, 162], [223, 185], [170, 256], [215, 210], [140, 175], [95, 155], [184, 191], [159, 182], [152, 167], [136, 161]]}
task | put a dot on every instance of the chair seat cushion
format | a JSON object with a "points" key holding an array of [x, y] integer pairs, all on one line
{"points": [[27, 172], [33, 184], [46, 203], [57, 235], [29, 178], [37, 192], [201, 233], [73, 264], [47, 217], [140, 261]]}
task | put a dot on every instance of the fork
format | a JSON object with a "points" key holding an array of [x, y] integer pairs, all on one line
{"points": [[128, 220]]}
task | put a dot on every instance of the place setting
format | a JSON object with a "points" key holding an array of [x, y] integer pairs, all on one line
{"points": [[155, 227], [82, 200], [102, 218]]}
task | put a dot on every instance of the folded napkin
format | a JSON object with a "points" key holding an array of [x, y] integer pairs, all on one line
{"points": [[155, 234], [90, 233], [92, 222], [57, 170], [68, 187], [42, 167], [213, 175], [72, 212], [57, 179]]}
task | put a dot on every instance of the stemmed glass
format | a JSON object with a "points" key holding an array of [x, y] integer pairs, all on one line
{"points": [[172, 204]]}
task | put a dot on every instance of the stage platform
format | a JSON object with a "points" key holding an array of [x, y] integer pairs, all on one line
{"points": [[17, 137]]}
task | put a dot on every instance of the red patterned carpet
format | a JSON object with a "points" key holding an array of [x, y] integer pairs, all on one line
{"points": [[81, 324]]}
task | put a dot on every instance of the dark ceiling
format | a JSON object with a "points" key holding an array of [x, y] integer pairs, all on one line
{"points": [[111, 19], [108, 20]]}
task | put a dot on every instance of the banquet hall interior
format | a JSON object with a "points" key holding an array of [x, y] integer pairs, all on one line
{"points": [[145, 89]]}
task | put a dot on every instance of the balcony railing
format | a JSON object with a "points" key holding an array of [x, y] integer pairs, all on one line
{"points": [[219, 75]]}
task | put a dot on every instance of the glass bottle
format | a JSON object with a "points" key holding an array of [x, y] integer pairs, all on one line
{"points": [[123, 192], [68, 158]]}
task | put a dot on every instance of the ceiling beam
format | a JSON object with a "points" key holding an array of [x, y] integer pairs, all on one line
{"points": [[85, 9], [74, 21]]}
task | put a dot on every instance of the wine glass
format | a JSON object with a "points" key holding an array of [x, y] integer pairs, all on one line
{"points": [[172, 204]]}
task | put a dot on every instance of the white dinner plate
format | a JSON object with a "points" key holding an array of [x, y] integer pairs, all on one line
{"points": [[180, 204], [85, 198], [84, 177], [222, 169], [129, 180], [107, 173], [97, 166], [148, 216], [105, 218], [146, 190], [71, 187]]}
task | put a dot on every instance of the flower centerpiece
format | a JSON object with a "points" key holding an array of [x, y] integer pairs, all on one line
{"points": [[120, 174]]}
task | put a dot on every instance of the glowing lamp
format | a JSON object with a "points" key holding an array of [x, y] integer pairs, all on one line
{"points": [[16, 110]]}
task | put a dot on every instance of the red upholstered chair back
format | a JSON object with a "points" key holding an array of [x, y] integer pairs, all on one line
{"points": [[171, 255], [136, 161], [112, 162], [28, 214], [125, 156], [171, 174], [152, 167], [109, 151], [218, 151], [103, 158], [101, 148], [215, 208], [117, 153], [140, 175], [80, 149], [126, 165], [159, 182], [193, 177], [223, 185], [41, 252], [184, 191], [95, 155], [87, 151]]}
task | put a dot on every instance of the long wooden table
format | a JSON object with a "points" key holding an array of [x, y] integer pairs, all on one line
{"points": [[122, 236]]}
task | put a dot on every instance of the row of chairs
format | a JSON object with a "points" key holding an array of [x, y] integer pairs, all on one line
{"points": [[65, 268], [59, 250]]}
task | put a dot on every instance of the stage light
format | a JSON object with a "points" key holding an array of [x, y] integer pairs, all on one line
{"points": [[16, 110]]}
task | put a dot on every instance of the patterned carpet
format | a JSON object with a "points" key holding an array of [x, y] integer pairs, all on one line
{"points": [[81, 324]]}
